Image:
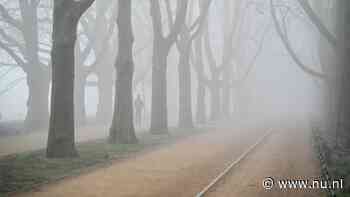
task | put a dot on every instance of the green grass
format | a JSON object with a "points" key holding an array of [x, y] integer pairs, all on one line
{"points": [[343, 194], [24, 171], [342, 169]]}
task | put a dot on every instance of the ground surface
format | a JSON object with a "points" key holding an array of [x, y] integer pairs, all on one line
{"points": [[28, 170], [181, 169], [184, 168], [286, 154]]}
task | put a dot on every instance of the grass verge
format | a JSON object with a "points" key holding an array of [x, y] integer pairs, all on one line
{"points": [[26, 171], [341, 168], [335, 164]]}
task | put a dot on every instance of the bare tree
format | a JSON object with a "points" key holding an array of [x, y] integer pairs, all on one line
{"points": [[201, 88], [288, 47], [220, 73], [122, 129], [26, 55], [318, 23], [343, 74], [230, 31], [214, 82], [338, 78], [66, 15], [161, 48], [184, 44], [100, 30]]}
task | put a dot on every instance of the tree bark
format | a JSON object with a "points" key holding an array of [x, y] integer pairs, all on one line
{"points": [[226, 97], [200, 107], [37, 104], [122, 129], [215, 112], [184, 45], [229, 27], [185, 92], [159, 114], [79, 97], [161, 48], [38, 79], [213, 83], [106, 60], [79, 84], [342, 82], [61, 140], [288, 47], [318, 23], [105, 98]]}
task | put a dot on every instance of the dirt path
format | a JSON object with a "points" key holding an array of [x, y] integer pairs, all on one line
{"points": [[287, 154], [181, 169]]}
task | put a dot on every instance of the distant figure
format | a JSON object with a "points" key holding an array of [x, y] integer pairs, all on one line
{"points": [[0, 116], [139, 107]]}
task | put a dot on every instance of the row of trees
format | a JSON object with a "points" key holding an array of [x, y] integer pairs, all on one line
{"points": [[74, 40], [87, 42], [26, 28], [95, 31], [187, 21]]}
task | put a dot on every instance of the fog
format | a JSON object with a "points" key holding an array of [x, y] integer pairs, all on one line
{"points": [[76, 74], [274, 86]]}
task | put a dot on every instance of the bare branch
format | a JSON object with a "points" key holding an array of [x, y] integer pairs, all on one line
{"points": [[179, 21], [9, 19], [200, 20], [82, 5], [12, 54], [170, 15], [289, 48], [318, 23], [156, 19]]}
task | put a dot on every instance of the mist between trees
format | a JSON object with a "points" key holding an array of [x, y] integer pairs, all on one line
{"points": [[160, 63]]}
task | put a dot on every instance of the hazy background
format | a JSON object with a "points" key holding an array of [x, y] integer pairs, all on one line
{"points": [[274, 87]]}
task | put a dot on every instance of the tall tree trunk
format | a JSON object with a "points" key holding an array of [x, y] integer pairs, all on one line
{"points": [[37, 75], [79, 98], [159, 114], [226, 94], [37, 104], [342, 81], [185, 93], [122, 129], [327, 58], [105, 69], [61, 140], [200, 108], [105, 98], [347, 70], [214, 83], [232, 15], [79, 90], [161, 48], [215, 100]]}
